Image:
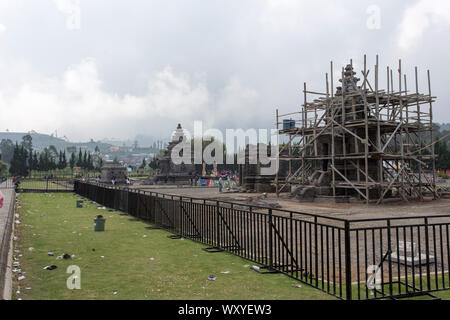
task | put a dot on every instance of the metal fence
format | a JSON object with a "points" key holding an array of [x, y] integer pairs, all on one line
{"points": [[349, 259], [38, 185]]}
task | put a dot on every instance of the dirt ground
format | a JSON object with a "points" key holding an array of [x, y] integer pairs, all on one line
{"points": [[353, 210]]}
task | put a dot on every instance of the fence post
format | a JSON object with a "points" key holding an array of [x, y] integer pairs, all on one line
{"points": [[217, 224], [316, 252], [389, 257], [46, 188], [270, 240], [427, 248], [181, 228], [348, 261]]}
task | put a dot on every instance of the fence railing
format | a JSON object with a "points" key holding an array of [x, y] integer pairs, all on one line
{"points": [[349, 259], [38, 185]]}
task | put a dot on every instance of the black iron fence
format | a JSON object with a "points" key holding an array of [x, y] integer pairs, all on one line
{"points": [[349, 259], [38, 184]]}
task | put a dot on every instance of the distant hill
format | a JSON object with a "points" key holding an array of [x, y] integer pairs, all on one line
{"points": [[41, 141], [445, 126]]}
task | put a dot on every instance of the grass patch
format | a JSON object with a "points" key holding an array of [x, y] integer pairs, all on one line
{"points": [[137, 263]]}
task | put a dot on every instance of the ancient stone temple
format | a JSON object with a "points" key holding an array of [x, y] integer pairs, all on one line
{"points": [[170, 172], [359, 141], [111, 171], [251, 176]]}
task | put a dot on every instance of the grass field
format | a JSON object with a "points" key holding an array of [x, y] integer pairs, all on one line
{"points": [[129, 261]]}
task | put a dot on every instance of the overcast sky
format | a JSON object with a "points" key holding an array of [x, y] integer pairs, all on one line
{"points": [[118, 68]]}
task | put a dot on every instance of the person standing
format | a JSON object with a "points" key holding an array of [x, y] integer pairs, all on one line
{"points": [[220, 184]]}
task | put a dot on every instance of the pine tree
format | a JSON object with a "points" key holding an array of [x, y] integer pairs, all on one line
{"points": [[85, 161], [64, 160], [80, 159], [72, 161]]}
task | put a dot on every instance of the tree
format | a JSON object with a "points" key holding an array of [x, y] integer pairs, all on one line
{"points": [[99, 164], [64, 160], [144, 164], [90, 163], [33, 161], [85, 163], [3, 169], [72, 161], [7, 150], [80, 159], [27, 143], [19, 162], [443, 156]]}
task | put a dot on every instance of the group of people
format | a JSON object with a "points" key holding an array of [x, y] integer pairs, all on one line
{"points": [[126, 180]]}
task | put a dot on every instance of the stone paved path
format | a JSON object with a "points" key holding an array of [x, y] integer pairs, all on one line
{"points": [[4, 212]]}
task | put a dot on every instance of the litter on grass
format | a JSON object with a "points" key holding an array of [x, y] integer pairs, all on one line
{"points": [[53, 267]]}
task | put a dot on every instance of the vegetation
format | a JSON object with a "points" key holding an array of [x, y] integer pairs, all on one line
{"points": [[24, 160], [128, 261], [3, 169]]}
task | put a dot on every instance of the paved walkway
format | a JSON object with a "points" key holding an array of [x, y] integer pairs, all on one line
{"points": [[5, 258]]}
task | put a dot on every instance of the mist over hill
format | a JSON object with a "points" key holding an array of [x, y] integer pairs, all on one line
{"points": [[41, 141]]}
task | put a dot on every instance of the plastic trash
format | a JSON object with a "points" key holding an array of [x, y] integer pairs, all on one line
{"points": [[51, 254], [21, 278], [212, 278], [225, 272], [52, 267]]}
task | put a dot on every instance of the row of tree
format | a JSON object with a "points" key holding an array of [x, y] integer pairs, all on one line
{"points": [[23, 159]]}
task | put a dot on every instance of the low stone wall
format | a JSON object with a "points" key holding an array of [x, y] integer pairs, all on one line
{"points": [[6, 230]]}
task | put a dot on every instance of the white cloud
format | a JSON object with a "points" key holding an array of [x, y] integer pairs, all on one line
{"points": [[297, 16], [2, 28], [421, 17], [237, 104], [76, 104]]}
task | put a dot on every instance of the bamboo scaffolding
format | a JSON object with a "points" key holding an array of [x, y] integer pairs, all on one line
{"points": [[370, 134]]}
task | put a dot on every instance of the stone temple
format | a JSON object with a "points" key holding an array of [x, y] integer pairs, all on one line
{"points": [[359, 141], [169, 172], [113, 170], [251, 175]]}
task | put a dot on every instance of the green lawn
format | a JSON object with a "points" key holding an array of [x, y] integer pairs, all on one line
{"points": [[137, 264]]}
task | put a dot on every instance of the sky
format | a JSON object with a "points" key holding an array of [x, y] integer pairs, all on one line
{"points": [[96, 69]]}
